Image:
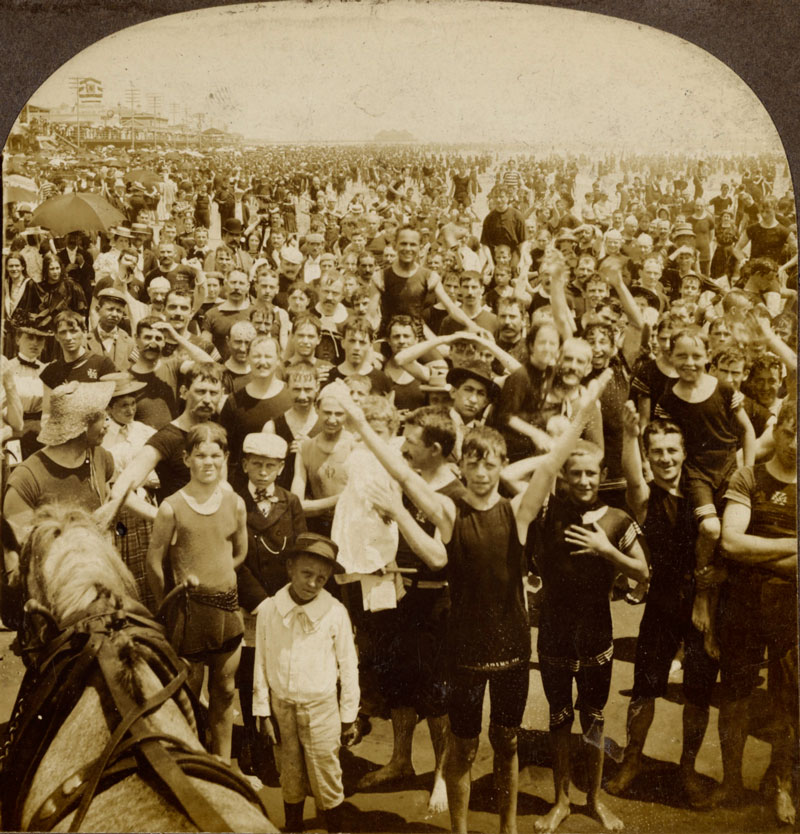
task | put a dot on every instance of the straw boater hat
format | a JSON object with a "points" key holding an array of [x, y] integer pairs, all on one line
{"points": [[124, 383], [71, 406], [141, 230], [438, 377]]}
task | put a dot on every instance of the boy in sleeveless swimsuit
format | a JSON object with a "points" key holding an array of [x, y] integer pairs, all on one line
{"points": [[201, 531]]}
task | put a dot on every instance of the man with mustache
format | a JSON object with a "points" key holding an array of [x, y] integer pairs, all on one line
{"points": [[156, 404], [164, 451]]}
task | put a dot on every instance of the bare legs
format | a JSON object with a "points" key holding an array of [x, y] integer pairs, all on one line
{"points": [[559, 742], [695, 722], [506, 775], [777, 784], [221, 692], [458, 776], [404, 721], [640, 717], [439, 727], [593, 751], [705, 600]]}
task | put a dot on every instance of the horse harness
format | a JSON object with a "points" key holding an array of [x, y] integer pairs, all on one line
{"points": [[53, 684]]}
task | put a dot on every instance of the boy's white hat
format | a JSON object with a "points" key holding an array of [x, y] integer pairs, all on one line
{"points": [[265, 445]]}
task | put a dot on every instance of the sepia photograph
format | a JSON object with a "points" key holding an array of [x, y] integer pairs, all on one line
{"points": [[399, 417]]}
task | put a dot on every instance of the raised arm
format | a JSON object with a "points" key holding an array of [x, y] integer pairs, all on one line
{"points": [[412, 353], [197, 354], [502, 356], [438, 508], [562, 315], [453, 310], [611, 270], [516, 475], [774, 342], [638, 492], [527, 505]]}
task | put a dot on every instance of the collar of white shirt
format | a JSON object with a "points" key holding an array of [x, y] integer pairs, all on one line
{"points": [[314, 610]]}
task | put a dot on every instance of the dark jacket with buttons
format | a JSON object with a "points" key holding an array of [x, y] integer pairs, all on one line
{"points": [[263, 571]]}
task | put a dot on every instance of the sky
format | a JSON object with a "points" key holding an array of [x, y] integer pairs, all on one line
{"points": [[445, 72]]}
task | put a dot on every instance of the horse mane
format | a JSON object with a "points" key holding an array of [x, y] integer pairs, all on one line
{"points": [[69, 563]]}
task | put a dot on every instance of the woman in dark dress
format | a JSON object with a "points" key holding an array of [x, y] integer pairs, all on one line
{"points": [[55, 293]]}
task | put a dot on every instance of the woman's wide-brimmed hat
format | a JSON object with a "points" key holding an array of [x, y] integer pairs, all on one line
{"points": [[71, 407], [34, 324], [124, 383]]}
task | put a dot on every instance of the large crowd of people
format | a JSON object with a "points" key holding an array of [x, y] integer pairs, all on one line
{"points": [[382, 402]]}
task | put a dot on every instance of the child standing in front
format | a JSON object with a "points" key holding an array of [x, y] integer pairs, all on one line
{"points": [[201, 530], [304, 648]]}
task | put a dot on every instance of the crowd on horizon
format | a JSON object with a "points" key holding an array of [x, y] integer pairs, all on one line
{"points": [[374, 397]]}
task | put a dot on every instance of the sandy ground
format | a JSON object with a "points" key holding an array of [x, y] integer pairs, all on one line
{"points": [[653, 805]]}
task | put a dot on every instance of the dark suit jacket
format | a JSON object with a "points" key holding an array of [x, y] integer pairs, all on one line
{"points": [[263, 572], [82, 275]]}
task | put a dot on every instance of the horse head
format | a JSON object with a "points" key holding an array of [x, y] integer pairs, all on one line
{"points": [[67, 563]]}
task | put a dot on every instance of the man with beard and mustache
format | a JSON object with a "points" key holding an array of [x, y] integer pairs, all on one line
{"points": [[164, 451], [573, 366], [156, 404]]}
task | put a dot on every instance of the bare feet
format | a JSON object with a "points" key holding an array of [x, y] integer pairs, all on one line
{"points": [[784, 807], [557, 814], [723, 794], [605, 816], [698, 795], [710, 644], [438, 799], [701, 617], [383, 775], [628, 771]]}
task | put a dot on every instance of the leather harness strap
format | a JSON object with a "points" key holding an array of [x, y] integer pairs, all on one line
{"points": [[59, 677], [122, 728], [191, 801]]}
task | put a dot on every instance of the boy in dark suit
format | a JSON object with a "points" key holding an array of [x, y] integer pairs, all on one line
{"points": [[274, 520]]}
